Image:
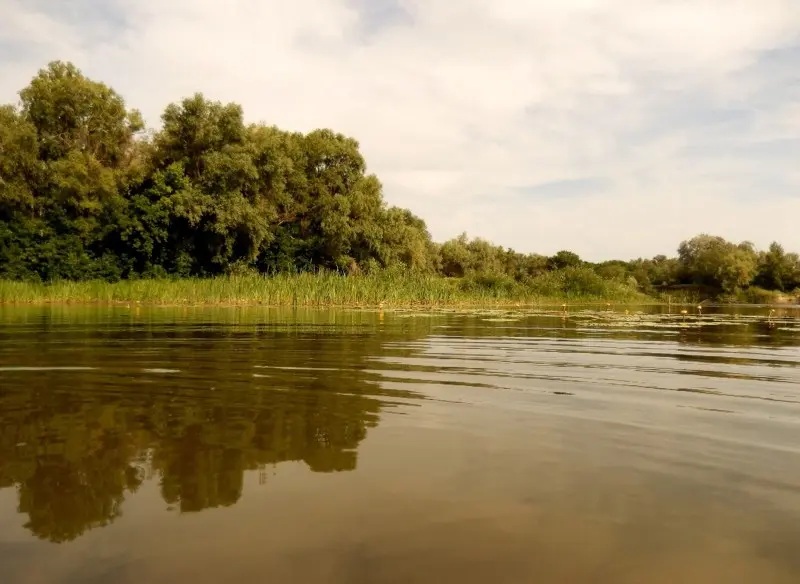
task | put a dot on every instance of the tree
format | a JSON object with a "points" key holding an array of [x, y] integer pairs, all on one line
{"points": [[69, 147], [73, 113], [401, 239], [613, 270], [713, 261], [219, 214], [341, 199], [462, 256], [778, 270], [454, 255], [19, 163], [564, 259]]}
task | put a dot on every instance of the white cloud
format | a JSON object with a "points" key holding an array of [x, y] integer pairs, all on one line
{"points": [[472, 101]]}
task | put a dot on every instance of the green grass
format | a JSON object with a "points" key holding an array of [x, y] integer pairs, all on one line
{"points": [[330, 289]]}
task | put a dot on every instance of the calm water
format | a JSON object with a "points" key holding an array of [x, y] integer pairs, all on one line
{"points": [[169, 445]]}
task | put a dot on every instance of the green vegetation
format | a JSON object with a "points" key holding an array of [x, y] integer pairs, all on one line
{"points": [[93, 208], [388, 287]]}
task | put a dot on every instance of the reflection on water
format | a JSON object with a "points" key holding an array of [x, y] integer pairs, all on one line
{"points": [[195, 406], [500, 445]]}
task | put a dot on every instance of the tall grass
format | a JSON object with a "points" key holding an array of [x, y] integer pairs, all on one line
{"points": [[386, 288]]}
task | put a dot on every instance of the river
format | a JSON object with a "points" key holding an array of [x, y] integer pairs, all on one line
{"points": [[161, 445]]}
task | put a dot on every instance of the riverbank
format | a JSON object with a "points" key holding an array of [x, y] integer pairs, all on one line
{"points": [[329, 289]]}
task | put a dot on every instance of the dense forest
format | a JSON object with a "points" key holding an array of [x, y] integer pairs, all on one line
{"points": [[86, 192]]}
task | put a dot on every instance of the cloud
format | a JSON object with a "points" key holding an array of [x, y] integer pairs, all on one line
{"points": [[563, 188], [666, 118]]}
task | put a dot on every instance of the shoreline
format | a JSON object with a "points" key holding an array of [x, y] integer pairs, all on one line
{"points": [[553, 304], [549, 303], [378, 291], [382, 289]]}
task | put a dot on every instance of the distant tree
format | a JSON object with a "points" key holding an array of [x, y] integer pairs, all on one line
{"points": [[713, 261], [532, 265], [399, 238], [778, 270], [564, 259], [612, 270], [454, 254], [663, 271]]}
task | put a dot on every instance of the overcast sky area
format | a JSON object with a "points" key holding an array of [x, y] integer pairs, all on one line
{"points": [[613, 128]]}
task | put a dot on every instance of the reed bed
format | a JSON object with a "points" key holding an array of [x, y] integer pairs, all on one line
{"points": [[321, 289]]}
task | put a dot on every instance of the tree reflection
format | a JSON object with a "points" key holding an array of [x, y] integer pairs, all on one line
{"points": [[71, 463], [74, 443]]}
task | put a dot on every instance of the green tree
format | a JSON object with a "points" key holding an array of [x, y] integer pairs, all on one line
{"points": [[63, 186], [778, 270], [19, 164], [612, 270], [341, 202], [462, 256], [73, 113], [713, 261], [455, 260], [564, 259], [219, 211], [401, 239]]}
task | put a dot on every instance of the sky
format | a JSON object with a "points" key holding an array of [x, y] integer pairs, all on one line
{"points": [[612, 128]]}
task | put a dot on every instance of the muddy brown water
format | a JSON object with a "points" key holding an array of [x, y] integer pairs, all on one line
{"points": [[155, 445]]}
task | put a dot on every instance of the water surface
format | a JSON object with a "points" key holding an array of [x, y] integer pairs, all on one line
{"points": [[208, 445]]}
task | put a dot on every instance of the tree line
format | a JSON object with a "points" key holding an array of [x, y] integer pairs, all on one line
{"points": [[87, 193]]}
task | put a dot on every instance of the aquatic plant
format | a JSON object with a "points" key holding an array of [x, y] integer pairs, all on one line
{"points": [[324, 288]]}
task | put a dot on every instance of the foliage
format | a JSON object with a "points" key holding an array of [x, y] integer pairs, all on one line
{"points": [[564, 259], [712, 261], [778, 270], [85, 195]]}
